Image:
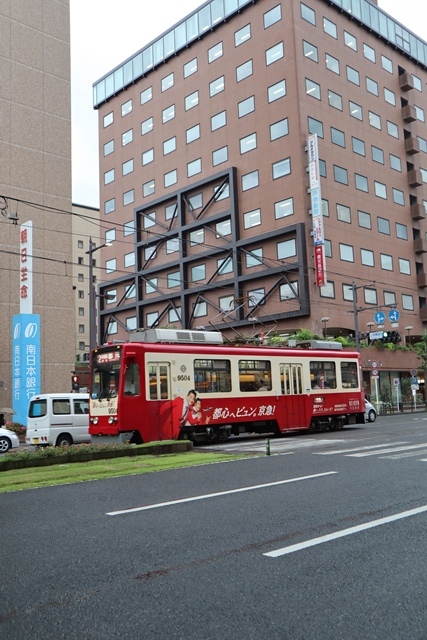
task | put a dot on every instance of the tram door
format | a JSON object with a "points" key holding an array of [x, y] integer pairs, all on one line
{"points": [[293, 390], [160, 421]]}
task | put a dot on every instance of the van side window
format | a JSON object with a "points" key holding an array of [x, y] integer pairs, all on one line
{"points": [[81, 406], [61, 407], [132, 379], [37, 409]]}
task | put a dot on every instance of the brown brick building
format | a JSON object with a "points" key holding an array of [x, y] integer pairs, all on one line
{"points": [[204, 172]]}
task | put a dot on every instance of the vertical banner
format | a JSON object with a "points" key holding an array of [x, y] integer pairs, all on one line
{"points": [[25, 362], [26, 267], [316, 210]]}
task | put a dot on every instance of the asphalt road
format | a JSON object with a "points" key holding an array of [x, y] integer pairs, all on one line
{"points": [[323, 539]]}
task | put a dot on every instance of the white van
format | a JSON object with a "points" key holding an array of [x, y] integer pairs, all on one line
{"points": [[58, 419]]}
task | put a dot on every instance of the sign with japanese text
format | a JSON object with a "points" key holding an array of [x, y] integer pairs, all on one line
{"points": [[316, 211], [319, 258], [26, 267], [25, 362]]}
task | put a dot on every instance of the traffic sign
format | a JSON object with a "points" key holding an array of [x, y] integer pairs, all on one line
{"points": [[414, 372], [394, 315], [375, 373], [379, 317], [396, 382], [374, 364]]}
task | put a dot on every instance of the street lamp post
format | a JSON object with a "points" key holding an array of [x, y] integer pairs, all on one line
{"points": [[409, 329], [92, 294], [325, 321]]}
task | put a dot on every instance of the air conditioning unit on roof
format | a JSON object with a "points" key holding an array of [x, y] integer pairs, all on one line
{"points": [[177, 335]]}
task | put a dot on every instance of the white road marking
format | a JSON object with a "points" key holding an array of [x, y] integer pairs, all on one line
{"points": [[411, 454], [374, 446], [219, 493], [374, 453], [345, 532]]}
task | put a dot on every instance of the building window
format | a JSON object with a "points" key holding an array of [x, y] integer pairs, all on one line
{"points": [[147, 157], [80, 277], [246, 106], [350, 41], [353, 75], [108, 119], [272, 16], [283, 208], [223, 228], [111, 265], [248, 143], [128, 197], [288, 291], [252, 218], [276, 91], [377, 155], [219, 120], [370, 296], [127, 167], [190, 68], [108, 147], [109, 205], [286, 249], [395, 163], [172, 245], [216, 86], [198, 273], [338, 137], [242, 35], [389, 298], [81, 311], [367, 257], [194, 167], [312, 89], [148, 188], [253, 258], [127, 137], [170, 178], [221, 192], [126, 108], [401, 231], [150, 253], [197, 237], [335, 100], [279, 129], [129, 228], [386, 64], [343, 213], [404, 266], [256, 297], [168, 113], [347, 292], [250, 180], [192, 134], [398, 197], [130, 291], [380, 190], [215, 52], [219, 156], [149, 219], [330, 28], [333, 64], [358, 146], [308, 14], [244, 71], [372, 86], [192, 100], [374, 120], [146, 126], [152, 318], [389, 96], [364, 219], [174, 315], [109, 176], [407, 302], [224, 266], [129, 259], [315, 126], [151, 285], [361, 182], [200, 309], [167, 82], [384, 226], [173, 280], [281, 168], [169, 146], [369, 52], [110, 235], [310, 51], [146, 95], [274, 53], [417, 83], [386, 262], [355, 110], [328, 290], [392, 129], [346, 252], [340, 174], [81, 328]]}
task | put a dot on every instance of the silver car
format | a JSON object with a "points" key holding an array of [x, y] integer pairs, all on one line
{"points": [[370, 412], [8, 440]]}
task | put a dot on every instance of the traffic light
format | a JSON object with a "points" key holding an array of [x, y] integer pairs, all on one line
{"points": [[391, 336], [75, 384]]}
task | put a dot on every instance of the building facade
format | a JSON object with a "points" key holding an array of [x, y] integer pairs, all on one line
{"points": [[35, 184], [205, 174]]}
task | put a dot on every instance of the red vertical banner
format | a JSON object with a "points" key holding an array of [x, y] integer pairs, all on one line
{"points": [[319, 258]]}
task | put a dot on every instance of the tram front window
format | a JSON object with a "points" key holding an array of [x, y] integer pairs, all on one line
{"points": [[105, 381]]}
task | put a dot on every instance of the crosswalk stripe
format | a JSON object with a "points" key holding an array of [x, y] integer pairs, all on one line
{"points": [[406, 455], [374, 453], [374, 446]]}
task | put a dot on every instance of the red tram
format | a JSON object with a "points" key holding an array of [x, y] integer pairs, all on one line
{"points": [[171, 384]]}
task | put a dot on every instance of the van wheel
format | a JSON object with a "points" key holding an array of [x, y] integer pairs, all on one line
{"points": [[64, 440]]}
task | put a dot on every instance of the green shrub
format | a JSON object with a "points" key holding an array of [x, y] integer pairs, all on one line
{"points": [[16, 427]]}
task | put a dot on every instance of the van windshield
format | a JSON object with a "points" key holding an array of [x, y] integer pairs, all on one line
{"points": [[37, 408]]}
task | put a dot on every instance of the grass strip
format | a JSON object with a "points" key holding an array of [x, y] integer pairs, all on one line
{"points": [[34, 477]]}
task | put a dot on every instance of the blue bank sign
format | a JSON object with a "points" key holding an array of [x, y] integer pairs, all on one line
{"points": [[25, 362]]}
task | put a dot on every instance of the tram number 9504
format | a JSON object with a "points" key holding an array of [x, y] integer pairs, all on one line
{"points": [[182, 378]]}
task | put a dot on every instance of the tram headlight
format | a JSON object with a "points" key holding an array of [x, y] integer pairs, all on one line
{"points": [[112, 419], [94, 420]]}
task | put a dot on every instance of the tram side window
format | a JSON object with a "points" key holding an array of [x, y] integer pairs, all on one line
{"points": [[322, 375], [132, 380], [212, 376], [254, 375], [349, 375]]}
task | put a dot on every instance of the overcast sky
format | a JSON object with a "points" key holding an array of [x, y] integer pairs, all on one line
{"points": [[106, 32]]}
